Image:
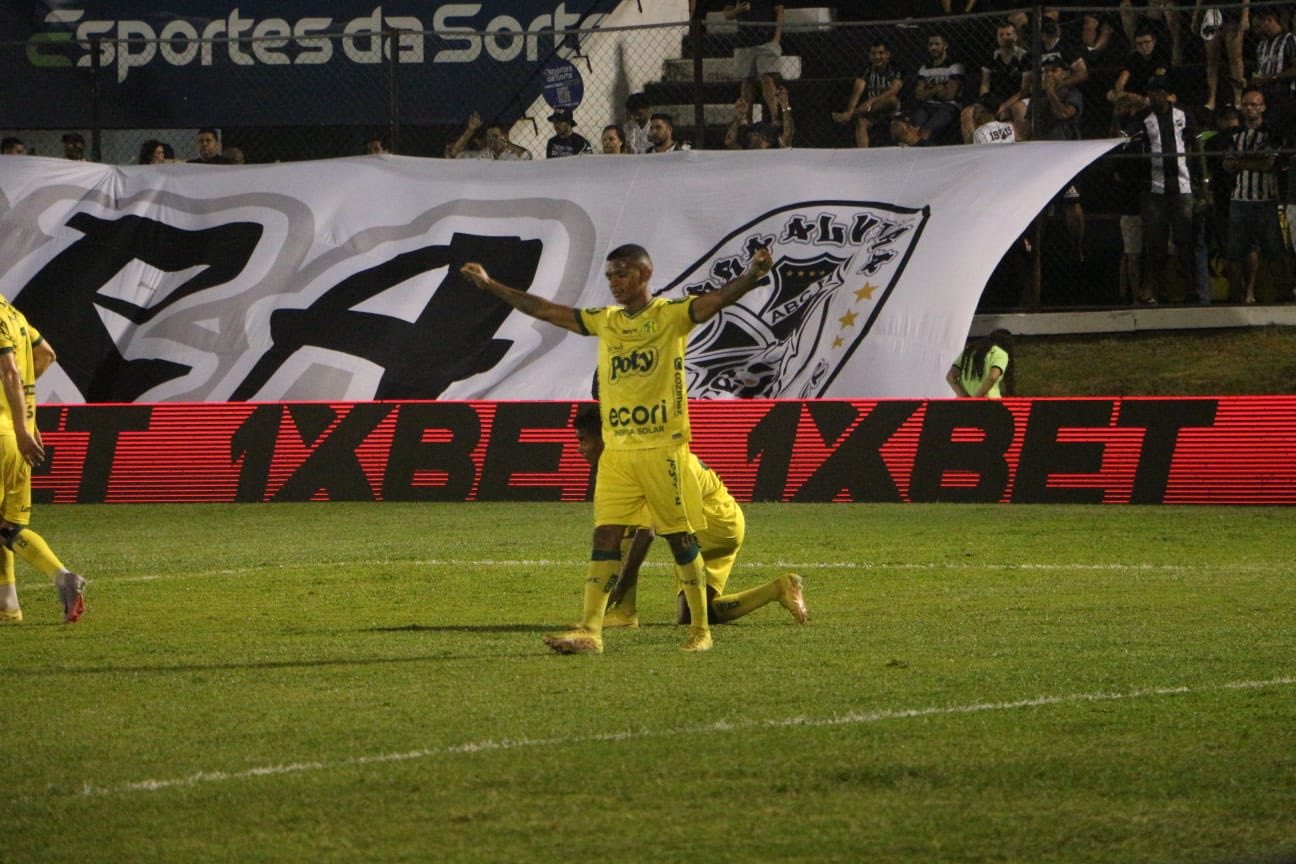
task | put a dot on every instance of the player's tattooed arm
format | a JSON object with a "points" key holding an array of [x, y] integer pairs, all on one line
{"points": [[528, 304], [705, 306]]}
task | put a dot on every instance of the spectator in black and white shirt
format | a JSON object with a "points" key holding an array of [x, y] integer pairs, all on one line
{"points": [[1275, 74], [1253, 207], [938, 90], [879, 89], [1168, 135]]}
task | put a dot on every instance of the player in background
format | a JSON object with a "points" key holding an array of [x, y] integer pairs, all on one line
{"points": [[719, 543], [24, 356], [643, 401]]}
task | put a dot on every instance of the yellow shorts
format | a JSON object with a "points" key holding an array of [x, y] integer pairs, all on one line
{"points": [[720, 542], [655, 479], [15, 480]]}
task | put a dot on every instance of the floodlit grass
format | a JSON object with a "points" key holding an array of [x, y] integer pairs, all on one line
{"points": [[1247, 361], [367, 683]]}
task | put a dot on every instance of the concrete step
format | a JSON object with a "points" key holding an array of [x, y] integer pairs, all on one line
{"points": [[722, 69], [712, 114], [818, 18]]}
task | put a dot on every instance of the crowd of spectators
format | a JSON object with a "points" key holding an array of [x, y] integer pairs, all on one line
{"points": [[1205, 95]]}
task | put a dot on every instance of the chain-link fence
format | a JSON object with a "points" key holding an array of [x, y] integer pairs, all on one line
{"points": [[281, 90]]}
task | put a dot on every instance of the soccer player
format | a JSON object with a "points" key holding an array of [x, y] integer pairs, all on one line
{"points": [[643, 401], [24, 355], [719, 543]]}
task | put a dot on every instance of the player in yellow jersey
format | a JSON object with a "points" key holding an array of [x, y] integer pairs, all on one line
{"points": [[24, 355], [643, 401], [719, 543]]}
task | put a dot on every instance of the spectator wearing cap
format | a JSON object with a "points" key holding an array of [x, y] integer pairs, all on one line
{"points": [[1173, 170], [74, 146], [764, 135], [565, 142], [638, 116], [905, 133]]}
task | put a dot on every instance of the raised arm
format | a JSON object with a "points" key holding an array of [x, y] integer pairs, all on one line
{"points": [[537, 307], [705, 306]]}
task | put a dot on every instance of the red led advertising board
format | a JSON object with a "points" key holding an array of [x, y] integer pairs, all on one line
{"points": [[1132, 450]]}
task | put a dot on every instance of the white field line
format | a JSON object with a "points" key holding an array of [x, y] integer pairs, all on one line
{"points": [[575, 565], [719, 727]]}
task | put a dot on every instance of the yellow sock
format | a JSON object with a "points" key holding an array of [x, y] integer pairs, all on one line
{"points": [[692, 578], [8, 584], [599, 579], [729, 607], [32, 548]]}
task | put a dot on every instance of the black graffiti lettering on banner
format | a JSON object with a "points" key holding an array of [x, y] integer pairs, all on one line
{"points": [[1163, 419], [507, 455], [105, 429], [64, 302], [452, 338], [414, 463], [938, 452]]}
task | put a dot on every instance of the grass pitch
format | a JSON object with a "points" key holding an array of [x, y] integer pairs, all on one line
{"points": [[335, 682]]}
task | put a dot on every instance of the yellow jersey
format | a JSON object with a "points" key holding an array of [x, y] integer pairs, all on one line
{"points": [[643, 390], [18, 336]]}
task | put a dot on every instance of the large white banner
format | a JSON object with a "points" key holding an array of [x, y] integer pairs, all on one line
{"points": [[338, 280]]}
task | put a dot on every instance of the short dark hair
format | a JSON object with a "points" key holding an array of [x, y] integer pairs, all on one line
{"points": [[665, 118], [207, 130], [635, 101], [7, 145], [588, 420], [70, 137], [632, 251]]}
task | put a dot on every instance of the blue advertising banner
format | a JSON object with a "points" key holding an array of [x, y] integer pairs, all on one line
{"points": [[279, 62]]}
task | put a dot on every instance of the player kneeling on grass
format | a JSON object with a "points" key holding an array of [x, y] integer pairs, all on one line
{"points": [[719, 543]]}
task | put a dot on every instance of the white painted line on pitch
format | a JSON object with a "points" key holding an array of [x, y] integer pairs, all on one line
{"points": [[575, 565], [491, 745]]}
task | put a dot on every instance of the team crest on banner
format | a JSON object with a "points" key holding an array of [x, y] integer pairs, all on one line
{"points": [[836, 263]]}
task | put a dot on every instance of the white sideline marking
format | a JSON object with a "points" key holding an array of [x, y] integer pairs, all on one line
{"points": [[798, 566], [490, 745]]}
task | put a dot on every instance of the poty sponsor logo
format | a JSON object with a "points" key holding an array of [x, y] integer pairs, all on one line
{"points": [[459, 34], [634, 363]]}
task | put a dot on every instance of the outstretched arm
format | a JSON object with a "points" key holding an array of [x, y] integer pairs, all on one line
{"points": [[537, 307], [705, 306]]}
